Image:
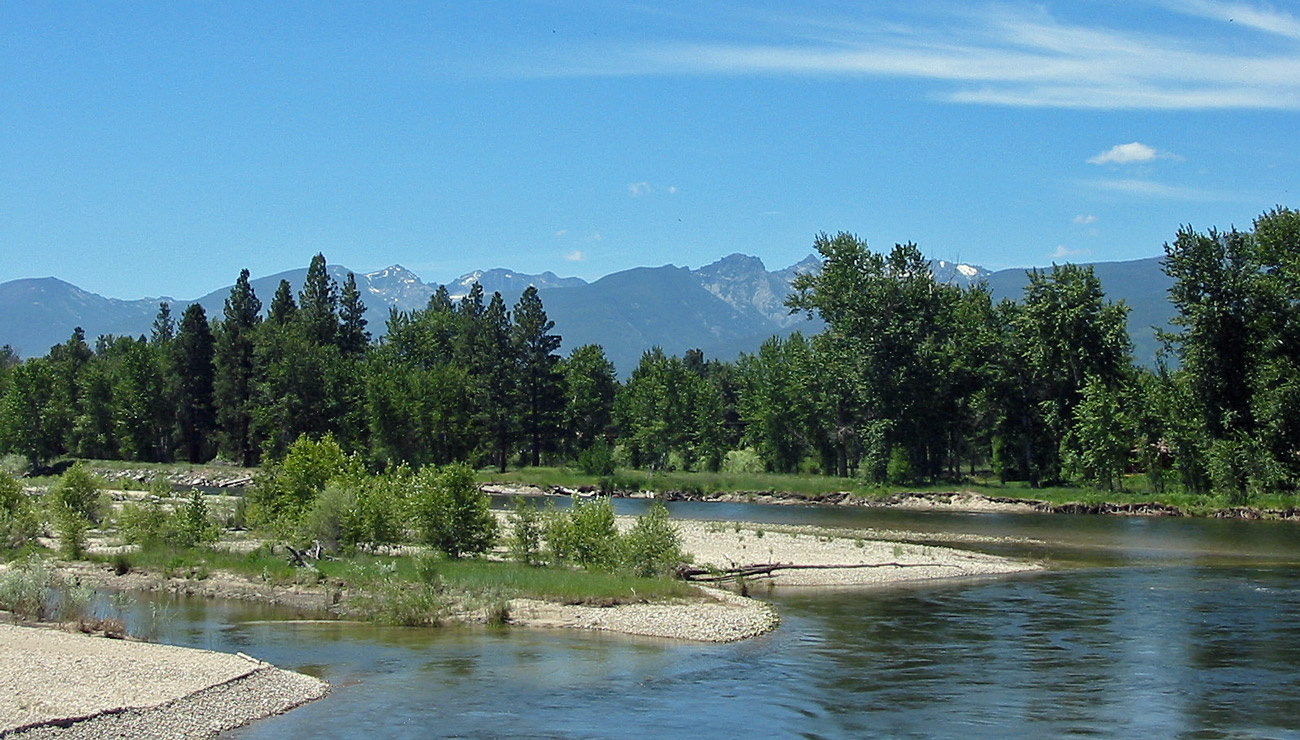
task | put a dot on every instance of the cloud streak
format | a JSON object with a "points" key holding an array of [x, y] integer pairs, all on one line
{"points": [[1028, 58]]}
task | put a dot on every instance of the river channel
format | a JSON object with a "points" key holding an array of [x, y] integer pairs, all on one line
{"points": [[1140, 627]]}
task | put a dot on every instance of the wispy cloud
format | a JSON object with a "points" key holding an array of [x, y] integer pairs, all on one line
{"points": [[636, 189], [576, 255], [1152, 189], [1082, 219], [997, 55], [1260, 18]]}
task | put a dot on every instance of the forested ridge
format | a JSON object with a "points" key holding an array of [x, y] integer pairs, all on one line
{"points": [[912, 380]]}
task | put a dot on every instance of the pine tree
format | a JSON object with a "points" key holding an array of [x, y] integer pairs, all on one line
{"points": [[541, 386], [318, 303], [164, 326], [283, 309], [233, 384], [192, 354], [352, 334]]}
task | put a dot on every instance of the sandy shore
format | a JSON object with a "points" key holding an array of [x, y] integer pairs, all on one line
{"points": [[61, 685]]}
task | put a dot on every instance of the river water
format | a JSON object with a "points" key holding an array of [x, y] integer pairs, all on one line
{"points": [[1152, 628]]}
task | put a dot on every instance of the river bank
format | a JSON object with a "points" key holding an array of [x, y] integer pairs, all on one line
{"points": [[56, 684], [805, 557]]}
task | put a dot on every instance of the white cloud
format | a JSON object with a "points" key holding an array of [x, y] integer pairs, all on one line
{"points": [[672, 190], [561, 232], [1130, 153], [595, 237], [996, 54], [1082, 219], [576, 255], [639, 188], [1062, 252]]}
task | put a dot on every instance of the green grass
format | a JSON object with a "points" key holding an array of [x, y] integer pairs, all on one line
{"points": [[365, 572], [565, 585]]}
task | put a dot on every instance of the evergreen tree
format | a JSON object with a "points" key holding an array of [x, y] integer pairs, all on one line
{"points": [[233, 384], [283, 310], [352, 334], [30, 421], [193, 353], [164, 326], [540, 383], [318, 303]]}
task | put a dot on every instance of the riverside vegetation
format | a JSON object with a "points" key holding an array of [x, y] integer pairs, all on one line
{"points": [[403, 546], [911, 383]]}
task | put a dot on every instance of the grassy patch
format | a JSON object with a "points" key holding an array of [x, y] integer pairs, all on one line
{"points": [[566, 585]]}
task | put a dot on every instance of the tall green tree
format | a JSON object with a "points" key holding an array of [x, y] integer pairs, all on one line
{"points": [[318, 303], [31, 424], [590, 387], [193, 355], [234, 380], [283, 310], [541, 385], [352, 334]]}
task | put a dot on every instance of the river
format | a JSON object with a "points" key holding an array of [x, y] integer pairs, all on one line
{"points": [[1141, 627]]}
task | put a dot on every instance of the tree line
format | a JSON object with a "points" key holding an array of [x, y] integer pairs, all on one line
{"points": [[912, 380]]}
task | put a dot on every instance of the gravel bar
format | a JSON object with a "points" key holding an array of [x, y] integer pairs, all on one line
{"points": [[62, 685]]}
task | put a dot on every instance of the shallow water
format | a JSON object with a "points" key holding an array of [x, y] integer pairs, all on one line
{"points": [[1176, 628]]}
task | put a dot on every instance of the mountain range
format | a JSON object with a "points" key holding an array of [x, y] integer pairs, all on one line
{"points": [[724, 308]]}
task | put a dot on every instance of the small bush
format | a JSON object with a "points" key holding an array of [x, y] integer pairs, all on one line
{"points": [[193, 525], [598, 459], [744, 461], [450, 511], [333, 518], [652, 548], [584, 535], [18, 521], [525, 541], [144, 524], [25, 589]]}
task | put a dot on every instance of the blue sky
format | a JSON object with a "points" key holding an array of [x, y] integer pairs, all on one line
{"points": [[157, 148]]}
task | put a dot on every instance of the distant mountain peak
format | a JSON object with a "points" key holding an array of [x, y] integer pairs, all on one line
{"points": [[500, 279]]}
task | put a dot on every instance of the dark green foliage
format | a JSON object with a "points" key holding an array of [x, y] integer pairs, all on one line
{"points": [[352, 334], [235, 378], [541, 386], [193, 353], [283, 309], [318, 303]]}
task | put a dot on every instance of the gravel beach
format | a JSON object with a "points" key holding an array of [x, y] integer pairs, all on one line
{"points": [[62, 685]]}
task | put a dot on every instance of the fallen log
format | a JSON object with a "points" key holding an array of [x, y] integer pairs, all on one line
{"points": [[716, 575]]}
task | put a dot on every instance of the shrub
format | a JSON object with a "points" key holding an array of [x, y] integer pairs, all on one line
{"points": [[450, 511], [584, 535], [193, 525], [525, 541], [79, 492], [652, 548], [26, 587], [285, 491], [18, 522], [743, 461], [598, 459], [144, 524], [333, 518]]}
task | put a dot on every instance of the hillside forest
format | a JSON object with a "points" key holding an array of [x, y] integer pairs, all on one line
{"points": [[911, 381]]}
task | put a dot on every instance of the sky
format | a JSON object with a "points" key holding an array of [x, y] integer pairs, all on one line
{"points": [[156, 148]]}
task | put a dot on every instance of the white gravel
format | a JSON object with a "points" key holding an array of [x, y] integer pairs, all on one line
{"points": [[62, 685]]}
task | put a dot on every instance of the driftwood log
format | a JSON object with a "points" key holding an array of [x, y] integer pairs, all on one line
{"points": [[716, 575]]}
